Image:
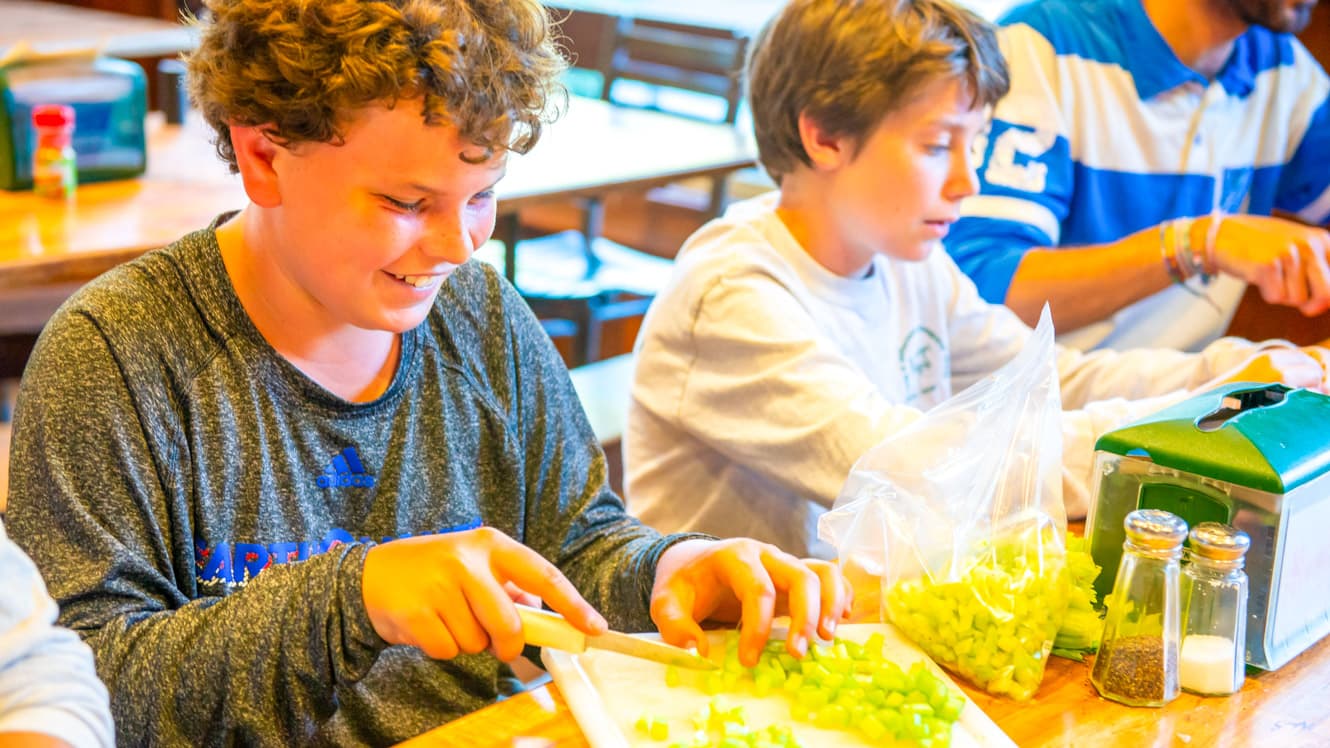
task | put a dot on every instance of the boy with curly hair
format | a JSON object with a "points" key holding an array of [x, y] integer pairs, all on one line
{"points": [[806, 325], [327, 451]]}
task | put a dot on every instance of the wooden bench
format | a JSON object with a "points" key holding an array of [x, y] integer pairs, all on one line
{"points": [[604, 388]]}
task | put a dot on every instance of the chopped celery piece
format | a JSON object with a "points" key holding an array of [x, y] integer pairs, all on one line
{"points": [[1079, 634], [993, 618], [841, 686], [656, 729]]}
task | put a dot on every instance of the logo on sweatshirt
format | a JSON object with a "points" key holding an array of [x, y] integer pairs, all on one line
{"points": [[223, 565], [346, 471], [924, 365]]}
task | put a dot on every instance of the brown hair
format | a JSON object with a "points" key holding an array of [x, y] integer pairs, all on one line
{"points": [[850, 63], [488, 67]]}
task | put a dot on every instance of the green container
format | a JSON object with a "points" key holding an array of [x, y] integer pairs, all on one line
{"points": [[1249, 455], [110, 101]]}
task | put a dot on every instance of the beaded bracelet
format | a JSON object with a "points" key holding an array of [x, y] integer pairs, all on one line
{"points": [[1212, 240], [1187, 260], [1178, 270], [1168, 252]]}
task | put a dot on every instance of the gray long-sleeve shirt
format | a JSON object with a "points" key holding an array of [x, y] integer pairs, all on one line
{"points": [[201, 509]]}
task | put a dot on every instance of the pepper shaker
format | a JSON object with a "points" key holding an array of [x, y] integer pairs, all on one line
{"points": [[1137, 662]]}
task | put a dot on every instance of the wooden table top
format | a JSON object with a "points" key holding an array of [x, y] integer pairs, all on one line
{"points": [[1286, 708], [52, 27], [595, 148], [744, 17]]}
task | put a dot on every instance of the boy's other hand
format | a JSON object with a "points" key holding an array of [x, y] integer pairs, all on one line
{"points": [[453, 593], [750, 582], [1285, 259], [1295, 367]]}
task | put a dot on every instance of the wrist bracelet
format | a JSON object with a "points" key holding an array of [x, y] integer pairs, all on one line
{"points": [[1212, 241], [1166, 251], [1191, 266]]}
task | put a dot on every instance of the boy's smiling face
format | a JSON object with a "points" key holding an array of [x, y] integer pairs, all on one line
{"points": [[899, 193], [364, 232]]}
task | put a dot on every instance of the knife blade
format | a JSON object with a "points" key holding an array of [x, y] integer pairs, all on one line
{"points": [[545, 628]]}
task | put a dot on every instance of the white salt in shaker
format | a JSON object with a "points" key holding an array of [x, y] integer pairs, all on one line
{"points": [[1214, 599]]}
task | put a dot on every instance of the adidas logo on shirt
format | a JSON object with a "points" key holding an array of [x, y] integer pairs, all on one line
{"points": [[346, 470]]}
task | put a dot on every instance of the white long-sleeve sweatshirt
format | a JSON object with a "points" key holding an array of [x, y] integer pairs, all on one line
{"points": [[48, 683], [761, 377]]}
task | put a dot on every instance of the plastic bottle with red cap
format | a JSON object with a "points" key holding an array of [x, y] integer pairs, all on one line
{"points": [[54, 168]]}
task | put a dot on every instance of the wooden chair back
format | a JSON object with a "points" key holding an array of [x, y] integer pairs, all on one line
{"points": [[693, 58]]}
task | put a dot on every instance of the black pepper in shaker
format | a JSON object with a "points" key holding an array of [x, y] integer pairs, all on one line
{"points": [[1137, 662]]}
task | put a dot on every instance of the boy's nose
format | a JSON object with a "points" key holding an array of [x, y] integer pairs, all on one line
{"points": [[963, 181], [447, 240]]}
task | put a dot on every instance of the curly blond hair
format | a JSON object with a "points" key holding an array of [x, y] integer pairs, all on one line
{"points": [[850, 63], [488, 67]]}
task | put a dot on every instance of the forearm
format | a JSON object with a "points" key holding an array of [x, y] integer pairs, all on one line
{"points": [[53, 690], [1087, 284], [48, 681], [262, 661], [30, 740]]}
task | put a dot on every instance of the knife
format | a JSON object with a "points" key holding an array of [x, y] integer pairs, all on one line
{"points": [[545, 628]]}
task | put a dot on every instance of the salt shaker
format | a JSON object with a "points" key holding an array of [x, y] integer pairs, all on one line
{"points": [[1137, 662], [1214, 599]]}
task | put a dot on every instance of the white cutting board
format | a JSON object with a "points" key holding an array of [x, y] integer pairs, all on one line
{"points": [[608, 692]]}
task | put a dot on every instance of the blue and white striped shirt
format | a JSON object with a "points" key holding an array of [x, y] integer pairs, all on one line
{"points": [[1105, 132]]}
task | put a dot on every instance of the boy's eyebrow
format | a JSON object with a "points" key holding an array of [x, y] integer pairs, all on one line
{"points": [[426, 189], [951, 120]]}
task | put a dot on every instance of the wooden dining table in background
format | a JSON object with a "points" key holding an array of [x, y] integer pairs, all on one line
{"points": [[594, 149], [54, 27], [48, 248]]}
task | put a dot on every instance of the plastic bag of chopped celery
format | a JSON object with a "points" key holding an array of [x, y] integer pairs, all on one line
{"points": [[958, 521], [994, 620]]}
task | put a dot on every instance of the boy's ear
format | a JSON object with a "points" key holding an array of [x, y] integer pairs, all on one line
{"points": [[825, 150], [254, 157]]}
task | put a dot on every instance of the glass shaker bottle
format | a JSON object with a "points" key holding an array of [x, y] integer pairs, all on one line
{"points": [[54, 167], [1214, 594], [1137, 662]]}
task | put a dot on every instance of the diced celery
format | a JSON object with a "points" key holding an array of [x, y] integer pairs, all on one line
{"points": [[843, 686], [812, 698], [872, 728], [833, 717], [814, 672], [952, 708]]}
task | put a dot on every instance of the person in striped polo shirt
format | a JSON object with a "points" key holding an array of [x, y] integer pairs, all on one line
{"points": [[1131, 174]]}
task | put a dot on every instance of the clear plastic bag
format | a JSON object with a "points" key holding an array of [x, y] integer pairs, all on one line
{"points": [[957, 522]]}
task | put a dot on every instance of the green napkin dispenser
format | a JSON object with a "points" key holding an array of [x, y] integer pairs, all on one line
{"points": [[1253, 456]]}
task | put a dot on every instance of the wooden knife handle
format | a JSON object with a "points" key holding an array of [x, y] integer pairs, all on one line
{"points": [[544, 628]]}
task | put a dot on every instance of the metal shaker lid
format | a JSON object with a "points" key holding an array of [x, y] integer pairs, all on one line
{"points": [[1155, 529], [1219, 541]]}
